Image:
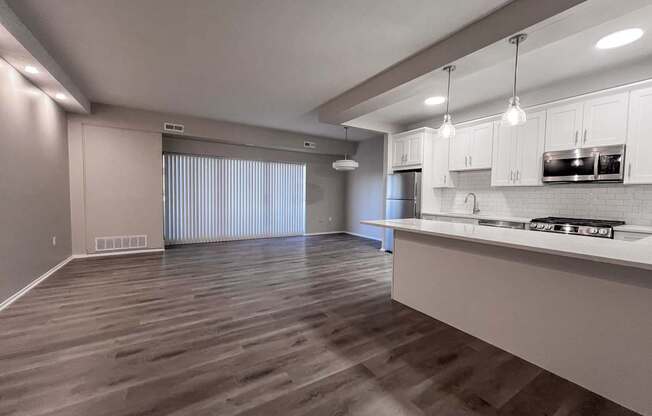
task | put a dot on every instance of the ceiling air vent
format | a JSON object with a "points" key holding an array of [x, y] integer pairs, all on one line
{"points": [[173, 128], [309, 145], [123, 242]]}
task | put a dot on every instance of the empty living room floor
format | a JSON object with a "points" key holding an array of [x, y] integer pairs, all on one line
{"points": [[291, 326]]}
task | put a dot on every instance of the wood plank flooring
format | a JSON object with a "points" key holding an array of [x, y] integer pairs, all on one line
{"points": [[293, 326]]}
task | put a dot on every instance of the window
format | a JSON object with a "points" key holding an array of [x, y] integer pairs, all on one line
{"points": [[215, 199]]}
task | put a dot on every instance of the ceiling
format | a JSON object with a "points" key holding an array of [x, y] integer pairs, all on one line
{"points": [[268, 63], [559, 49]]}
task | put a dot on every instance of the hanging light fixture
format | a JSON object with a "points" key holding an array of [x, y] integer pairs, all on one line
{"points": [[447, 129], [346, 163], [515, 115]]}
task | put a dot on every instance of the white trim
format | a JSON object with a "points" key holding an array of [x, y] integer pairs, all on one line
{"points": [[324, 233], [363, 236], [117, 253], [11, 299]]}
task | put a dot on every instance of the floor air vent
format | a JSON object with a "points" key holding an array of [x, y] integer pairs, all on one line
{"points": [[124, 242]]}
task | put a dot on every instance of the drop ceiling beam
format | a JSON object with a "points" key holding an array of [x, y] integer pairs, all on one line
{"points": [[397, 82], [12, 23]]}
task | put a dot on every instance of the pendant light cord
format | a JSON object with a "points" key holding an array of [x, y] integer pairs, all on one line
{"points": [[515, 68], [346, 140], [448, 93]]}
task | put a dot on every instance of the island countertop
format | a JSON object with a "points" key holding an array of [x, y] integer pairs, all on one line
{"points": [[625, 253]]}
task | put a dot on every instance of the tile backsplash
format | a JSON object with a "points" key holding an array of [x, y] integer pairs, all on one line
{"points": [[632, 204]]}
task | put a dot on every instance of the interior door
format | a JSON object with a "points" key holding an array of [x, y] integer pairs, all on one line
{"points": [[530, 139], [605, 120], [459, 150], [639, 141], [563, 127], [480, 149], [504, 149]]}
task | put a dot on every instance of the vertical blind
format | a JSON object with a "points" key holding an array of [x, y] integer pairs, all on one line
{"points": [[214, 199]]}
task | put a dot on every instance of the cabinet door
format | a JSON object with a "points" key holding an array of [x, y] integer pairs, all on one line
{"points": [[563, 126], [414, 146], [504, 155], [441, 177], [605, 120], [459, 146], [398, 155], [530, 139], [639, 140], [480, 146]]}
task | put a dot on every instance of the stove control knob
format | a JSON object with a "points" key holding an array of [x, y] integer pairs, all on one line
{"points": [[540, 226], [549, 227], [533, 225], [594, 231], [604, 231]]}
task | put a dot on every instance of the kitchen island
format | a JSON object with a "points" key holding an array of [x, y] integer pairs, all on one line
{"points": [[580, 307]]}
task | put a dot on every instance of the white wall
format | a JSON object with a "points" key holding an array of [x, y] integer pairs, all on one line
{"points": [[632, 204], [34, 203], [365, 189]]}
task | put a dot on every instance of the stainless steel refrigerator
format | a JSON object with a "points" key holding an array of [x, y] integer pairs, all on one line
{"points": [[402, 200]]}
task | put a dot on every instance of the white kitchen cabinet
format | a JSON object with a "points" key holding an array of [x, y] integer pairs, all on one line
{"points": [[517, 152], [638, 156], [407, 149], [600, 121], [441, 176], [564, 124], [471, 148], [605, 120]]}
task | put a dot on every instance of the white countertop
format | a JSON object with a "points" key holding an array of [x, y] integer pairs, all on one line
{"points": [[478, 216], [631, 228], [626, 253]]}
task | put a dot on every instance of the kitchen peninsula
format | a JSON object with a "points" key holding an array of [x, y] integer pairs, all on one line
{"points": [[577, 306]]}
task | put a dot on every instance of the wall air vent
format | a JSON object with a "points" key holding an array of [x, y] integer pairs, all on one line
{"points": [[309, 145], [173, 128], [123, 242]]}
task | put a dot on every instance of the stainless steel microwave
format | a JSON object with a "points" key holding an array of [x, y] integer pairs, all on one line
{"points": [[596, 164]]}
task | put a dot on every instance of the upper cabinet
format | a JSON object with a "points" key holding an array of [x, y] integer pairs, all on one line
{"points": [[470, 149], [440, 173], [517, 152], [639, 143], [407, 149], [596, 122]]}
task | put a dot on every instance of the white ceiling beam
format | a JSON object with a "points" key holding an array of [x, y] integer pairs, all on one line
{"points": [[12, 23], [388, 86]]}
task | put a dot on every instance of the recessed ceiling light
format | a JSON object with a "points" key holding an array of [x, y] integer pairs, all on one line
{"points": [[620, 38], [435, 100], [31, 69], [60, 96]]}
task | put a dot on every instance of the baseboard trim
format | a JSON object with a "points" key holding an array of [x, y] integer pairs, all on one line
{"points": [[11, 299], [363, 236], [117, 253]]}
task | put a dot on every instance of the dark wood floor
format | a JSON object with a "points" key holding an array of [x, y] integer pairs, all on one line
{"points": [[296, 326]]}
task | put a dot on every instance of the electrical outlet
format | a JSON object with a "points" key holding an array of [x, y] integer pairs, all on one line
{"points": [[54, 241]]}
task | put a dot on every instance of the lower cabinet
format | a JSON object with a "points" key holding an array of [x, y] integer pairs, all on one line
{"points": [[518, 151]]}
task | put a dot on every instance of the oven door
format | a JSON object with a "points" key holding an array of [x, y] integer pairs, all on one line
{"points": [[611, 164], [578, 165]]}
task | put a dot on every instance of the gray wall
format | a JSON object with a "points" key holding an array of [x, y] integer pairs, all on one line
{"points": [[364, 190], [34, 202], [325, 188]]}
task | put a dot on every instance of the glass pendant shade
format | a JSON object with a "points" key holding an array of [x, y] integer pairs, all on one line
{"points": [[447, 129], [514, 116]]}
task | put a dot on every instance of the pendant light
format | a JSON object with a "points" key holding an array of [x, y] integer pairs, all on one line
{"points": [[447, 129], [515, 115], [346, 163]]}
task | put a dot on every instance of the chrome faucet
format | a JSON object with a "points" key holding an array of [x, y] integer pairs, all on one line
{"points": [[475, 202]]}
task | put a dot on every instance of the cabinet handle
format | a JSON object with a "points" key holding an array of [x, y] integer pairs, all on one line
{"points": [[518, 174], [511, 176], [466, 161], [629, 170], [585, 132], [576, 136], [470, 161], [444, 179]]}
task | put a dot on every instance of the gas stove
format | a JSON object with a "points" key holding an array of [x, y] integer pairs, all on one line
{"points": [[578, 226]]}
